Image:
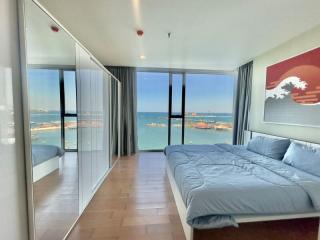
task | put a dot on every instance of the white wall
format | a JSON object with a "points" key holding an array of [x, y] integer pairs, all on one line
{"points": [[300, 44], [13, 209]]}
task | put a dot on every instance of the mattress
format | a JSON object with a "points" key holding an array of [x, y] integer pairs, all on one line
{"points": [[218, 182], [42, 153]]}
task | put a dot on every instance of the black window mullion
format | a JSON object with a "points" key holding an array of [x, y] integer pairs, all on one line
{"points": [[170, 108], [62, 107], [183, 105], [63, 111], [176, 116], [70, 115]]}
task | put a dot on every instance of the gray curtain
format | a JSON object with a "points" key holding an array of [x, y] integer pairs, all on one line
{"points": [[242, 103], [114, 116], [128, 126]]}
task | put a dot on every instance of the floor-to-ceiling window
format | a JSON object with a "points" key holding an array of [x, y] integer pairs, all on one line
{"points": [[152, 107], [53, 107], [70, 110], [184, 108], [209, 108], [45, 112]]}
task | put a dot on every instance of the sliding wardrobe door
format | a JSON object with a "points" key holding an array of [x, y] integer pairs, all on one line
{"points": [[52, 170], [84, 128], [96, 77], [100, 123], [105, 154], [93, 88]]}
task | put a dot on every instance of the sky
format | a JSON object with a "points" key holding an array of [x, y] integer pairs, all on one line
{"points": [[205, 93], [44, 90]]}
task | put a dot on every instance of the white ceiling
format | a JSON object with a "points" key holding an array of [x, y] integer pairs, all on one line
{"points": [[206, 34], [45, 47]]}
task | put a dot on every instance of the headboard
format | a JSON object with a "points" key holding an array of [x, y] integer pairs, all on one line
{"points": [[251, 134]]}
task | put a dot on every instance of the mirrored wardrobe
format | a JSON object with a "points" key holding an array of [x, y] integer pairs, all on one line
{"points": [[73, 106]]}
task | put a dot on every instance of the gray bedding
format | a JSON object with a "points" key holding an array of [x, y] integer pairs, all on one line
{"points": [[42, 153], [218, 182]]}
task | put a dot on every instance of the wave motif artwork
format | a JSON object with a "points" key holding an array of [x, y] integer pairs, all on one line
{"points": [[292, 93]]}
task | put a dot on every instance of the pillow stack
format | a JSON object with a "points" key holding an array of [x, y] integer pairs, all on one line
{"points": [[297, 155]]}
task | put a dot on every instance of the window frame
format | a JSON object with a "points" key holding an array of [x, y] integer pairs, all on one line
{"points": [[63, 113], [184, 72]]}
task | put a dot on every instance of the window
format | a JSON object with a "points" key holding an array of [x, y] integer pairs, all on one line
{"points": [[70, 92], [70, 133], [53, 107], [184, 108], [209, 108], [45, 115], [152, 108], [177, 83], [69, 110]]}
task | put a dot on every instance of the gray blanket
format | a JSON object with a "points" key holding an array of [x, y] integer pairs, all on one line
{"points": [[218, 182], [42, 153]]}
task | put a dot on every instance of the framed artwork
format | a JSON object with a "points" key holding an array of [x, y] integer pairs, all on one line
{"points": [[292, 94]]}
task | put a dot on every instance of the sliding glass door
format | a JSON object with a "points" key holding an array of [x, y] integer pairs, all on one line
{"points": [[184, 108]]}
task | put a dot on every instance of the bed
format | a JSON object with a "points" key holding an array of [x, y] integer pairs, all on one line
{"points": [[45, 160], [227, 192]]}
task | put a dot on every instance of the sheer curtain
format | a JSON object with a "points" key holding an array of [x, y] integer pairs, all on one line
{"points": [[242, 103], [128, 125]]}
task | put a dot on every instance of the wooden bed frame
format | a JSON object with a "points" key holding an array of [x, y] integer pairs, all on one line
{"points": [[271, 227]]}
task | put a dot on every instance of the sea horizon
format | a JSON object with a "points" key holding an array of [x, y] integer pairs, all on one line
{"points": [[200, 128]]}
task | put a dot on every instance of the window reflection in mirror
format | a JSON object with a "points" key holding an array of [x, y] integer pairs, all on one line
{"points": [[53, 123]]}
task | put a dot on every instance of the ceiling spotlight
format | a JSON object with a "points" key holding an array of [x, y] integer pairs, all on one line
{"points": [[54, 28], [142, 57], [140, 33]]}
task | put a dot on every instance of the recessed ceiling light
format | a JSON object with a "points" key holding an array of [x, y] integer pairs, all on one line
{"points": [[142, 57]]}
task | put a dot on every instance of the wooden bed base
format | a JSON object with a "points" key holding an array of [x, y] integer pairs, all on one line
{"points": [[289, 229], [281, 227]]}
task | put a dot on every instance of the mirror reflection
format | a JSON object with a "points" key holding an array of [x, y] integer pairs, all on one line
{"points": [[51, 74]]}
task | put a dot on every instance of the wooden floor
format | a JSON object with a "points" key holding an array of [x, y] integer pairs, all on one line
{"points": [[56, 200], [134, 202]]}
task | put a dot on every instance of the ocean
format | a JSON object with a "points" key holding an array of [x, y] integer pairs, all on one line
{"points": [[200, 128], [46, 129]]}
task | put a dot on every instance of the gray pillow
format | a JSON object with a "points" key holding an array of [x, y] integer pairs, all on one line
{"points": [[304, 158], [269, 147]]}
